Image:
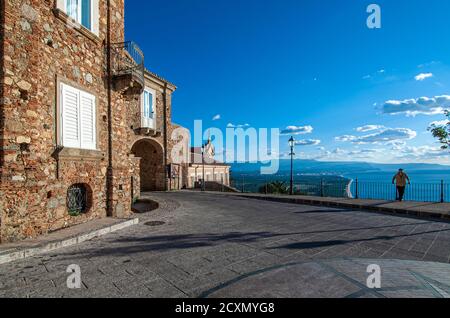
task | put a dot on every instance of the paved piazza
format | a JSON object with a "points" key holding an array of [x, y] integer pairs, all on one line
{"points": [[226, 246]]}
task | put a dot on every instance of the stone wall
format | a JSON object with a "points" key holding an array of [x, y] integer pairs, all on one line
{"points": [[136, 179], [2, 101], [219, 187], [155, 169], [40, 51], [217, 173], [152, 170]]}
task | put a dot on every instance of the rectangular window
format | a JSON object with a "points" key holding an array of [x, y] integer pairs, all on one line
{"points": [[78, 118], [80, 11], [148, 108]]}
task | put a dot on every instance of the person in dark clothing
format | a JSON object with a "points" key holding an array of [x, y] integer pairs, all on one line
{"points": [[400, 180]]}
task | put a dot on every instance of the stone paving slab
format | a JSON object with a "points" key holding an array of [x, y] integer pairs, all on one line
{"points": [[218, 246], [11, 252], [419, 209], [339, 278]]}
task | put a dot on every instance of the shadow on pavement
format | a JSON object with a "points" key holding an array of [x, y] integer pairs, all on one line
{"points": [[317, 244], [134, 245]]}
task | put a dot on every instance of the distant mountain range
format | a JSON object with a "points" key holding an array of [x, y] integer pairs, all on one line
{"points": [[338, 168]]}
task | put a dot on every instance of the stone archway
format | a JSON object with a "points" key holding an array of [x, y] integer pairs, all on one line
{"points": [[152, 171]]}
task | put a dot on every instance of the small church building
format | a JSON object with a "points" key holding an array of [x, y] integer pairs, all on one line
{"points": [[204, 166]]}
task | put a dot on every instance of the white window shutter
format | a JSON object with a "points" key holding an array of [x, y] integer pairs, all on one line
{"points": [[96, 17], [88, 121], [151, 105], [70, 99], [148, 108], [146, 104], [61, 5]]}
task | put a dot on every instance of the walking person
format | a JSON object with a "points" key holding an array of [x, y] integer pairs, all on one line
{"points": [[400, 180]]}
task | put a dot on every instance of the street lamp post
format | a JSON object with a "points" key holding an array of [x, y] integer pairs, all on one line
{"points": [[292, 144], [203, 168]]}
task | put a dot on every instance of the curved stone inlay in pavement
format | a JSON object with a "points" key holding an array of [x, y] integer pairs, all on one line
{"points": [[340, 278]]}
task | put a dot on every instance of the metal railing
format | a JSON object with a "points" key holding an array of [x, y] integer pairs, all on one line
{"points": [[351, 189], [128, 59], [422, 192]]}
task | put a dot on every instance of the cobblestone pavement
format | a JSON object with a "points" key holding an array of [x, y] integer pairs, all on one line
{"points": [[221, 246]]}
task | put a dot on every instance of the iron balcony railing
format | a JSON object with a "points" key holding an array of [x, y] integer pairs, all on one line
{"points": [[421, 192], [128, 59]]}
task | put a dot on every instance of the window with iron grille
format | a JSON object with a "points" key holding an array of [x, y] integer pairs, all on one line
{"points": [[78, 199]]}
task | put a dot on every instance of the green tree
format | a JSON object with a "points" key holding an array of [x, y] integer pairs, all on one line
{"points": [[276, 187], [442, 132]]}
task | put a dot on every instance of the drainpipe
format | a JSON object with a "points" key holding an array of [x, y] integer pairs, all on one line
{"points": [[109, 177], [165, 137]]}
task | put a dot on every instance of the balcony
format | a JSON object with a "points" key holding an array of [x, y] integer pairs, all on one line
{"points": [[149, 126], [127, 65]]}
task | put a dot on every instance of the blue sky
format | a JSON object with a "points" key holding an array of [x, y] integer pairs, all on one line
{"points": [[307, 64]]}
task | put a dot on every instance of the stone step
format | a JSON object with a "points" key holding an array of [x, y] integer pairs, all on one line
{"points": [[63, 238]]}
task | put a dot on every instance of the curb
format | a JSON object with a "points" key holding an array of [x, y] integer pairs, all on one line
{"points": [[15, 255], [369, 208]]}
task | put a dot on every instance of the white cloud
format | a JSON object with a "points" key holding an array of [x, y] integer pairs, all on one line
{"points": [[297, 130], [423, 153], [338, 151], [440, 123], [423, 76], [369, 128], [230, 125], [217, 117], [397, 144], [402, 154], [428, 64], [383, 136], [378, 74], [345, 138], [364, 152], [413, 107], [308, 142]]}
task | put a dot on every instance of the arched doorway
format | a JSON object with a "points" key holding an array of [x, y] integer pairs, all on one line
{"points": [[152, 171]]}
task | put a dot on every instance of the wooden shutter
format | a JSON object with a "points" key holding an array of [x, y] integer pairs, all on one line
{"points": [[147, 109], [70, 117], [150, 105], [78, 119], [146, 104], [88, 121]]}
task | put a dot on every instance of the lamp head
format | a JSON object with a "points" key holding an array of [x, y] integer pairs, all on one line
{"points": [[292, 142]]}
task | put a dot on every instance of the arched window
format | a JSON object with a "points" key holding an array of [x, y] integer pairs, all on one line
{"points": [[78, 199]]}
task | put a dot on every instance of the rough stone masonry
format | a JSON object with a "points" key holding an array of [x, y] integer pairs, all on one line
{"points": [[41, 48]]}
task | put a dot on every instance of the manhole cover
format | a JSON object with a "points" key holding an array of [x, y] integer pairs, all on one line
{"points": [[155, 223]]}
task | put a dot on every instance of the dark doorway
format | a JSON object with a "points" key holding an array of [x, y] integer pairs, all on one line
{"points": [[152, 170]]}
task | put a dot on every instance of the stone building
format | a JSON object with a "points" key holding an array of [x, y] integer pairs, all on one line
{"points": [[83, 126], [206, 167]]}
